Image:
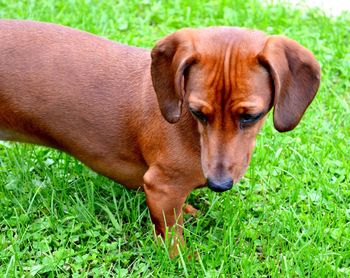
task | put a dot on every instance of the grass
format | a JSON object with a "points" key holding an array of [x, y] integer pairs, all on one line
{"points": [[289, 216]]}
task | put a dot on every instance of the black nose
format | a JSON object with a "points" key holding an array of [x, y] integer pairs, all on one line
{"points": [[220, 185]]}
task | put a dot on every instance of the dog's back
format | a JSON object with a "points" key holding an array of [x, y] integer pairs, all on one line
{"points": [[82, 83]]}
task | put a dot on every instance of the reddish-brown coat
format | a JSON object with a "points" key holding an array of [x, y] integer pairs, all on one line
{"points": [[99, 101]]}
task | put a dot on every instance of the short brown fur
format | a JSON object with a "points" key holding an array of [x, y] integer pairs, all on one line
{"points": [[99, 101]]}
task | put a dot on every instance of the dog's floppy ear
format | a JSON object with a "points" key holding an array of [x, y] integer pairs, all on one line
{"points": [[170, 59], [296, 79]]}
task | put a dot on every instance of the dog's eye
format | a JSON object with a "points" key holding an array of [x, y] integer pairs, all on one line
{"points": [[199, 115], [247, 119]]}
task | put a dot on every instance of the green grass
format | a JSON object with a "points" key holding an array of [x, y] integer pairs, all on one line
{"points": [[289, 216]]}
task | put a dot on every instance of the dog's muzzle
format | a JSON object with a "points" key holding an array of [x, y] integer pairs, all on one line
{"points": [[219, 185]]}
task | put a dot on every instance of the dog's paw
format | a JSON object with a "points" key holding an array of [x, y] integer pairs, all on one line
{"points": [[188, 209]]}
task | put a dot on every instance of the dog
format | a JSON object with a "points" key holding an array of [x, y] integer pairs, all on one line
{"points": [[183, 116]]}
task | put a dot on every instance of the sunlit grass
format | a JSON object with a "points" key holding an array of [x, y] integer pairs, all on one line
{"points": [[289, 216]]}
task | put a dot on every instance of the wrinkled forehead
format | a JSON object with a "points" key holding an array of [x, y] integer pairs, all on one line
{"points": [[231, 75]]}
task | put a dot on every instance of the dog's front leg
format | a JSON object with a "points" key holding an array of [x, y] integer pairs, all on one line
{"points": [[165, 197]]}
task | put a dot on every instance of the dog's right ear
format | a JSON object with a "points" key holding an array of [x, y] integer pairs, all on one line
{"points": [[170, 59]]}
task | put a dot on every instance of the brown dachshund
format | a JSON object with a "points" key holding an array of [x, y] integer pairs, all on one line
{"points": [[99, 101]]}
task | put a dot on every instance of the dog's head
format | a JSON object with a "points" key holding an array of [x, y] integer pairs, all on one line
{"points": [[229, 79]]}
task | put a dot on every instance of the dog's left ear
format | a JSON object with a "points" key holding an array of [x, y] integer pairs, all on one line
{"points": [[296, 79], [170, 59]]}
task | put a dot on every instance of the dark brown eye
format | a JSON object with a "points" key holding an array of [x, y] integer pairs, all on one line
{"points": [[199, 115], [248, 119]]}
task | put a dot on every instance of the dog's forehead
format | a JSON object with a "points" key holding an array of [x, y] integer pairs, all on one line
{"points": [[249, 89], [228, 66], [228, 70], [215, 40]]}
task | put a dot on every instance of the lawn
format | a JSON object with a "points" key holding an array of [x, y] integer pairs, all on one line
{"points": [[289, 216]]}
